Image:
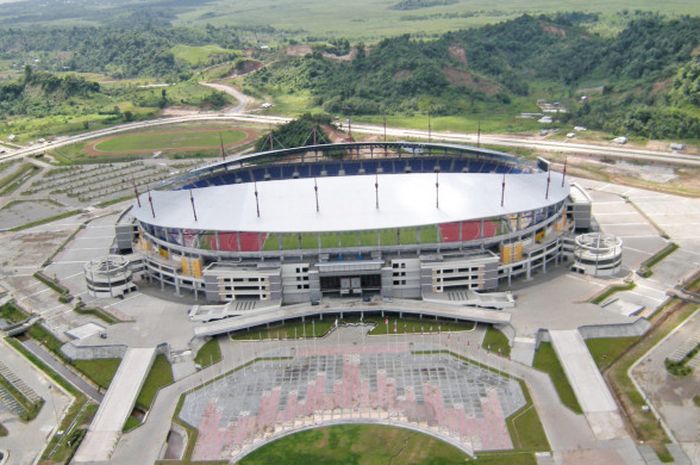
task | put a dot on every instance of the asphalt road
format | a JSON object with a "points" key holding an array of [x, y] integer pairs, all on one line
{"points": [[75, 380], [237, 113]]}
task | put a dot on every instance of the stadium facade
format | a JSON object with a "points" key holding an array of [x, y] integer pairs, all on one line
{"points": [[405, 220]]}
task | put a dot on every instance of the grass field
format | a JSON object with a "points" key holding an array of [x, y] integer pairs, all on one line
{"points": [[168, 139], [174, 141], [358, 445], [546, 360], [197, 56], [371, 20], [421, 235]]}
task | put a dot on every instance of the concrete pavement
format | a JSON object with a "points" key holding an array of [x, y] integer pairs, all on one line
{"points": [[26, 441], [593, 395], [106, 427], [566, 430]]}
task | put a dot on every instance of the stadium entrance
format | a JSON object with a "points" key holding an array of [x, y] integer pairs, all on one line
{"points": [[351, 286], [351, 278]]}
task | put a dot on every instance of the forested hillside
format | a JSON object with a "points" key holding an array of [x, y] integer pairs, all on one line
{"points": [[633, 73], [118, 51]]}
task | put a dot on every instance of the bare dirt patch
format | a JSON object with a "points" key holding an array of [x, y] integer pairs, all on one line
{"points": [[298, 50], [554, 30], [660, 86], [247, 66], [341, 58], [461, 78], [403, 74], [458, 53]]}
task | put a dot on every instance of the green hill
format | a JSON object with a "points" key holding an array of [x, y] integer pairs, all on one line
{"points": [[497, 66]]}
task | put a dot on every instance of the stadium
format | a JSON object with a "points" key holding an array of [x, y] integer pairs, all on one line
{"points": [[399, 219]]}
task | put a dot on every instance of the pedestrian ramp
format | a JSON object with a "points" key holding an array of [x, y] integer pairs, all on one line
{"points": [[591, 391], [106, 428]]}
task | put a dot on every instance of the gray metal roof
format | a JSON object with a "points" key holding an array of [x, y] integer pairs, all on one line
{"points": [[347, 203]]}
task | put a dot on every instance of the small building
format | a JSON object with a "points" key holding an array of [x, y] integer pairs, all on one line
{"points": [[677, 147], [109, 276], [597, 254]]}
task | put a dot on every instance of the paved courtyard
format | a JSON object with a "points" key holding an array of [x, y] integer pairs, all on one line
{"points": [[317, 385]]}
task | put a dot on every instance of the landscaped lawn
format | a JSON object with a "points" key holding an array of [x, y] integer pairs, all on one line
{"points": [[100, 371], [290, 329], [161, 375], [546, 360], [359, 445], [10, 313], [496, 342], [208, 354], [608, 349]]}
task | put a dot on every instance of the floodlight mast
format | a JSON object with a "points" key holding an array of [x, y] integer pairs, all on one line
{"points": [[150, 201], [563, 177], [136, 192], [221, 145]]}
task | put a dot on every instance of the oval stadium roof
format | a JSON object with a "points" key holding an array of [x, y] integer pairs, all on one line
{"points": [[347, 203]]}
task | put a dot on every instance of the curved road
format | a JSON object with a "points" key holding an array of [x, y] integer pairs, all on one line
{"points": [[244, 100], [237, 113]]}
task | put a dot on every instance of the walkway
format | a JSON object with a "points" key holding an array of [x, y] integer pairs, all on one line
{"points": [[412, 307], [106, 427], [596, 401], [565, 429]]}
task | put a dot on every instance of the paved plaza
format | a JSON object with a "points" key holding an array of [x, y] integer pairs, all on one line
{"points": [[432, 391]]}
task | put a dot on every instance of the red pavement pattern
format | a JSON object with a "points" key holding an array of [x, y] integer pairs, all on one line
{"points": [[249, 241], [449, 232], [217, 440]]}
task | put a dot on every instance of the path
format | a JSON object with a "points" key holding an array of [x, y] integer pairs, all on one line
{"points": [[593, 395], [566, 431], [106, 427]]}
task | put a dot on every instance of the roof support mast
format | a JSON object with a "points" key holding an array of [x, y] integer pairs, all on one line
{"points": [[257, 201], [194, 210], [376, 191], [316, 193], [503, 189], [437, 190]]}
